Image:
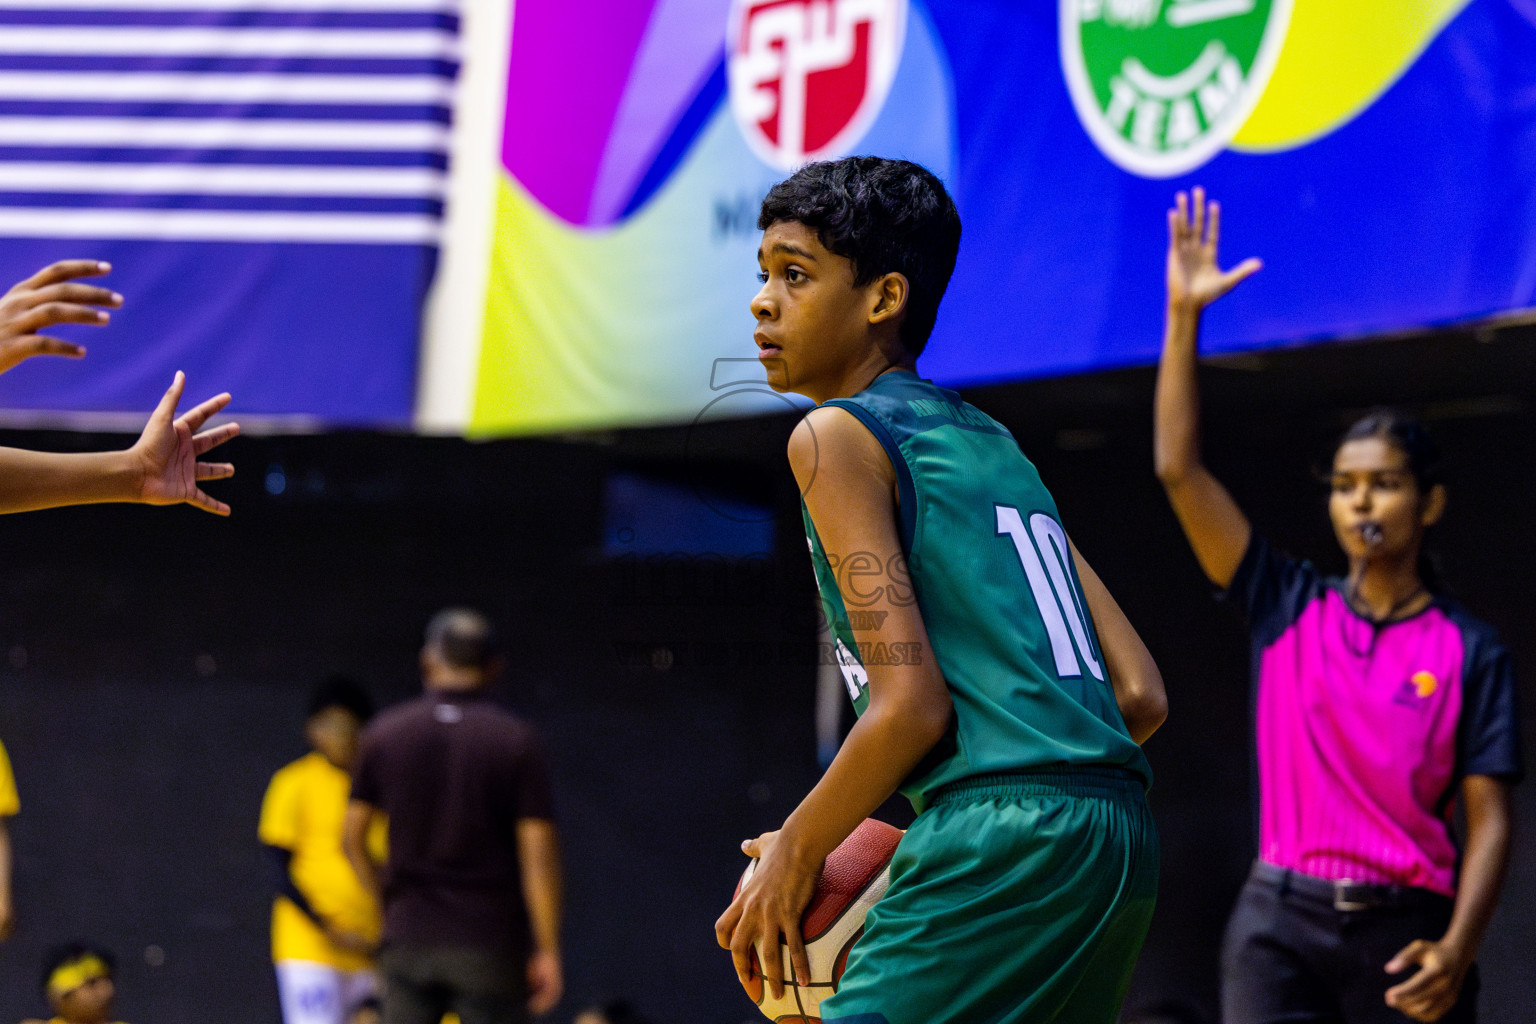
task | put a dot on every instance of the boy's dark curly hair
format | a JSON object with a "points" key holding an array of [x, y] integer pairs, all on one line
{"points": [[883, 215]]}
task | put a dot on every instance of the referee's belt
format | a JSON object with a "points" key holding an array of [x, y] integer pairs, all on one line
{"points": [[1343, 895]]}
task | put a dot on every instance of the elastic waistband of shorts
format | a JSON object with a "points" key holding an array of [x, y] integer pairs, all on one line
{"points": [[1067, 780]]}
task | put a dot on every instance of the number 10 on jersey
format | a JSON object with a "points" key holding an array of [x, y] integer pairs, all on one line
{"points": [[1042, 547]]}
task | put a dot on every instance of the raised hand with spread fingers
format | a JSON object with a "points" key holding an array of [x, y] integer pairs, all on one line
{"points": [[48, 298], [162, 467], [1195, 280], [169, 449]]}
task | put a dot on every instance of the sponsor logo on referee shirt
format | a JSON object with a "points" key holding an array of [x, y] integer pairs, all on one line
{"points": [[1417, 689]]}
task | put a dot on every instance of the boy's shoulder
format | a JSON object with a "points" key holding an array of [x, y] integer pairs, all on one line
{"points": [[905, 403]]}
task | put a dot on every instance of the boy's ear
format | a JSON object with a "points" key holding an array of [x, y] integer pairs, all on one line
{"points": [[890, 297]]}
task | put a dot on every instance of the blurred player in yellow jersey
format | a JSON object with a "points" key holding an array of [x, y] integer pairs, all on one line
{"points": [[325, 925], [9, 805], [77, 979]]}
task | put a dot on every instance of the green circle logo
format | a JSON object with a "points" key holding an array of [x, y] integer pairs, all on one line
{"points": [[1162, 85]]}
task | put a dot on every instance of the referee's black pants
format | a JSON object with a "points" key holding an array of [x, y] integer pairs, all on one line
{"points": [[1290, 956]]}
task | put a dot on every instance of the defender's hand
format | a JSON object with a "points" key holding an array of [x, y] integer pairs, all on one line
{"points": [[1433, 989], [545, 982], [49, 298], [1194, 278], [768, 906], [168, 449]]}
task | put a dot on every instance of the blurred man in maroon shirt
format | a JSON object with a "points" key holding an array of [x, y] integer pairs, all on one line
{"points": [[472, 885]]}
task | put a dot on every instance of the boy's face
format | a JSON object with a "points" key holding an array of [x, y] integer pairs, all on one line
{"points": [[813, 323]]}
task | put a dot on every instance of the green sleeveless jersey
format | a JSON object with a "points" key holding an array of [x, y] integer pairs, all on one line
{"points": [[988, 563]]}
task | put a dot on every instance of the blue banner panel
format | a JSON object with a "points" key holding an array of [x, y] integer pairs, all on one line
{"points": [[322, 333], [1380, 156], [1415, 206]]}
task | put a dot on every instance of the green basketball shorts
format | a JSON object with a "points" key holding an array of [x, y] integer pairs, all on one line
{"points": [[1014, 899]]}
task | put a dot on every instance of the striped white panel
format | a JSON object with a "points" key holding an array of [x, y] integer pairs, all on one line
{"points": [[194, 179], [209, 88], [221, 226], [422, 6], [222, 133], [82, 41]]}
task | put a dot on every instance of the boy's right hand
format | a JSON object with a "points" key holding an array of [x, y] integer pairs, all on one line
{"points": [[768, 906], [1194, 278], [46, 299]]}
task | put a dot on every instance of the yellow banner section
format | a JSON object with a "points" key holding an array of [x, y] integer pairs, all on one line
{"points": [[588, 328], [1338, 57]]}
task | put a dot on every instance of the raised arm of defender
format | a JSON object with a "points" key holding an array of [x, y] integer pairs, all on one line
{"points": [[164, 467], [1216, 528]]}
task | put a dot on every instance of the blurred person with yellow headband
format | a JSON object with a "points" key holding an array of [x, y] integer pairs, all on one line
{"points": [[77, 979]]}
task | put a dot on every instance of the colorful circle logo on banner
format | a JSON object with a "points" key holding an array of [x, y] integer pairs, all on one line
{"points": [[809, 77], [1162, 86]]}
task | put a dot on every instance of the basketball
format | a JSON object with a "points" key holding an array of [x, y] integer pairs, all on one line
{"points": [[854, 877]]}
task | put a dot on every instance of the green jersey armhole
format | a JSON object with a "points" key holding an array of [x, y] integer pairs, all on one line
{"points": [[905, 488]]}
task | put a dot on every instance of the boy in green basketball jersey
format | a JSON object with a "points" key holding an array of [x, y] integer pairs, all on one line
{"points": [[1012, 717]]}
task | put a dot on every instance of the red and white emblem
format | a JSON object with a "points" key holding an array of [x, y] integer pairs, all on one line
{"points": [[808, 77]]}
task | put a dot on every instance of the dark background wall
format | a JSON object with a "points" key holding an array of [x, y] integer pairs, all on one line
{"points": [[154, 663]]}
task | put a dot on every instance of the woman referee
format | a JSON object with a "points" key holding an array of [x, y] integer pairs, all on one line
{"points": [[1379, 705]]}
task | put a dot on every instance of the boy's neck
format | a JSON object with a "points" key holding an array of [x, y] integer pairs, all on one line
{"points": [[860, 377]]}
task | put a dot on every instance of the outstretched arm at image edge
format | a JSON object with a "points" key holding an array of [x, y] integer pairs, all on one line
{"points": [[161, 468], [1216, 527], [849, 488], [1138, 684], [1431, 991], [7, 916], [538, 850], [36, 480]]}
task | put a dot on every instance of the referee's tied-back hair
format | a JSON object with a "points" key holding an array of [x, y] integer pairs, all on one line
{"points": [[885, 216], [1407, 434], [462, 638]]}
